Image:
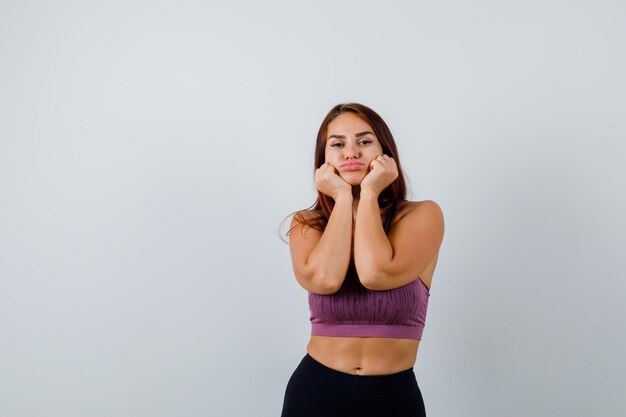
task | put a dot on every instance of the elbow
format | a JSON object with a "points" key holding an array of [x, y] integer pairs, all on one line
{"points": [[372, 280], [371, 272], [319, 283], [326, 284], [318, 279], [373, 286]]}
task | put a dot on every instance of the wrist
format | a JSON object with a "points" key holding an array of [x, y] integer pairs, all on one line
{"points": [[368, 195], [343, 195]]}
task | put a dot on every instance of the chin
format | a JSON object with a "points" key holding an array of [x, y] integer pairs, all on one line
{"points": [[354, 180]]}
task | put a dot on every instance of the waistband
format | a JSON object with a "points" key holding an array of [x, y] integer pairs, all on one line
{"points": [[367, 330], [370, 386]]}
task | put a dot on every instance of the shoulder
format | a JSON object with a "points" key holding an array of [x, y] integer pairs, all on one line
{"points": [[307, 220], [426, 207], [419, 211], [304, 216]]}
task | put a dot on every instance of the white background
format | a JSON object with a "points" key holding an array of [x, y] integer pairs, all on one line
{"points": [[149, 150]]}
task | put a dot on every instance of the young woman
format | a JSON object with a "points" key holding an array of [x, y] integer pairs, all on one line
{"points": [[366, 256]]}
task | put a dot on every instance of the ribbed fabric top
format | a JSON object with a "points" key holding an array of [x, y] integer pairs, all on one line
{"points": [[355, 311]]}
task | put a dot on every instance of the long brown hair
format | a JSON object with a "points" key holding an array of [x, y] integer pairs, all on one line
{"points": [[394, 193]]}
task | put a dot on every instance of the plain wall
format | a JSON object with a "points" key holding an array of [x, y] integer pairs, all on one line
{"points": [[150, 149]]}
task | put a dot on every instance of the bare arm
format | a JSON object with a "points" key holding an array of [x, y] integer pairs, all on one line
{"points": [[320, 259], [385, 262]]}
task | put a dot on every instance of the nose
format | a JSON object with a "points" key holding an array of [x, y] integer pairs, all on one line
{"points": [[351, 151]]}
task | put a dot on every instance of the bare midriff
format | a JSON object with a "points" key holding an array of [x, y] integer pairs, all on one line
{"points": [[364, 355], [368, 355]]}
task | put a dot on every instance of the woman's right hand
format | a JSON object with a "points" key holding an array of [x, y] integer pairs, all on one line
{"points": [[328, 182]]}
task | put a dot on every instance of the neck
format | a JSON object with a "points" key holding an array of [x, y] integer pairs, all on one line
{"points": [[356, 195], [356, 192]]}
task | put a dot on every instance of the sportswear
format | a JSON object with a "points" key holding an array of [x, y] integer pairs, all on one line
{"points": [[355, 311]]}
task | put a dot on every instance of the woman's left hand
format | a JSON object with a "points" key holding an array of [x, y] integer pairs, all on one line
{"points": [[383, 171]]}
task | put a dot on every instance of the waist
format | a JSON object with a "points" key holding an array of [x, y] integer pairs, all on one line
{"points": [[361, 386], [364, 355]]}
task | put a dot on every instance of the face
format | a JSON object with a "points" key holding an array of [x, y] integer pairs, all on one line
{"points": [[350, 147]]}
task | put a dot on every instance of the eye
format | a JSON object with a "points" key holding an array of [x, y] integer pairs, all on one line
{"points": [[336, 145], [365, 142]]}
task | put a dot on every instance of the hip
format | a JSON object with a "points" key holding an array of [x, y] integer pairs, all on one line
{"points": [[316, 390]]}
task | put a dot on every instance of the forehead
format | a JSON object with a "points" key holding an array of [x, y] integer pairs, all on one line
{"points": [[347, 123]]}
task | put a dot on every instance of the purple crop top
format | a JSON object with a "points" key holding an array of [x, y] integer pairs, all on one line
{"points": [[355, 311]]}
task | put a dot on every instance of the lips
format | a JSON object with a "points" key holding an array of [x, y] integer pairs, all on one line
{"points": [[352, 165]]}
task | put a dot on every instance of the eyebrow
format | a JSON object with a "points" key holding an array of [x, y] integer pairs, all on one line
{"points": [[358, 135]]}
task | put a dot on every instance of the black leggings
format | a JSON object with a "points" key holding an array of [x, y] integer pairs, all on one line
{"points": [[315, 390]]}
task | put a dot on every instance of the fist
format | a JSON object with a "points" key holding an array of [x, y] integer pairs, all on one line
{"points": [[328, 182], [383, 171]]}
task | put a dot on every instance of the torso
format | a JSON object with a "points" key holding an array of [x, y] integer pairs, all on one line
{"points": [[369, 355]]}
